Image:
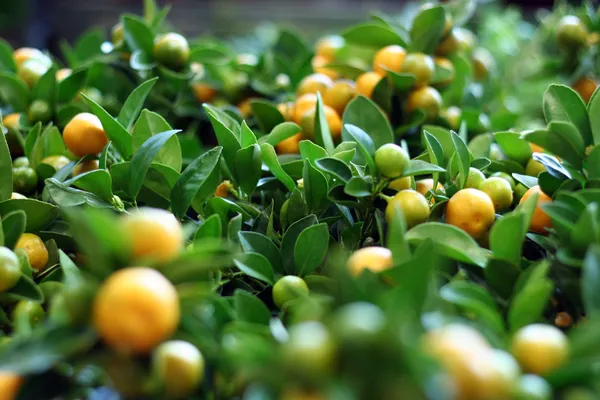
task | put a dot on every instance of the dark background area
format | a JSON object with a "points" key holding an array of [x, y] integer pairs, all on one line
{"points": [[42, 23]]}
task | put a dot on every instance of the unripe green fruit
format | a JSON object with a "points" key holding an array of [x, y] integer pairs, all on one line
{"points": [[288, 288], [391, 160]]}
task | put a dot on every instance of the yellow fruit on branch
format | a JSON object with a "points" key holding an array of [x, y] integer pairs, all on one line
{"points": [[84, 135]]}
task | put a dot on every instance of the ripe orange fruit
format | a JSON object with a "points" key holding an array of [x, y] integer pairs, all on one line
{"points": [[339, 95], [314, 83], [424, 98], [136, 309], [329, 46], [290, 145], [286, 109], [9, 385], [318, 63], [36, 250], [535, 148], [303, 104], [472, 211], [425, 185], [333, 120], [203, 92], [153, 233], [390, 57], [413, 204], [366, 82], [12, 121], [373, 258], [421, 66], [585, 86], [87, 166], [223, 189], [540, 221], [171, 50], [540, 348], [63, 73], [85, 135]]}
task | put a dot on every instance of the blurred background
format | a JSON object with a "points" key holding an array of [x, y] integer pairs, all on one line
{"points": [[42, 23]]}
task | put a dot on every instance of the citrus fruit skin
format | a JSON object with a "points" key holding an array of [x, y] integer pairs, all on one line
{"points": [[11, 121], [585, 86], [314, 83], [20, 162], [358, 323], [10, 269], [506, 177], [36, 250], [424, 98], [339, 95], [533, 387], [86, 166], [136, 309], [499, 191], [288, 288], [27, 53], [534, 168], [171, 50], [30, 311], [540, 221], [391, 160], [57, 162], [373, 258], [10, 384], [471, 210], [63, 74], [571, 33], [453, 116], [154, 234], [421, 66], [25, 179], [32, 70], [483, 63], [290, 145], [389, 58], [179, 367], [366, 82], [423, 186], [302, 105], [310, 350], [474, 179], [540, 348], [117, 34], [203, 92], [333, 121], [319, 66], [329, 46], [402, 183], [39, 111], [85, 135], [445, 64], [413, 204], [287, 110]]}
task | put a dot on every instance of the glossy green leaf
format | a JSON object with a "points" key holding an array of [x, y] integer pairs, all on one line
{"points": [[256, 266], [418, 167], [267, 115], [271, 161], [6, 182], [563, 104], [143, 157], [593, 109], [450, 241], [373, 35], [310, 249], [322, 133], [258, 243], [39, 214], [7, 62], [13, 226], [193, 180], [150, 123], [334, 167], [427, 29], [69, 87], [13, 91], [315, 186], [514, 146], [590, 279], [364, 142], [117, 134], [134, 103], [280, 132], [248, 162], [364, 113], [137, 34], [250, 309], [464, 160], [211, 227], [226, 138]]}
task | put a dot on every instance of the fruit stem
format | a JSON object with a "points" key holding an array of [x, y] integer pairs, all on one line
{"points": [[385, 197]]}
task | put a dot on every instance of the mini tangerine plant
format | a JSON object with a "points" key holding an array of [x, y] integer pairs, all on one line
{"points": [[394, 212]]}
